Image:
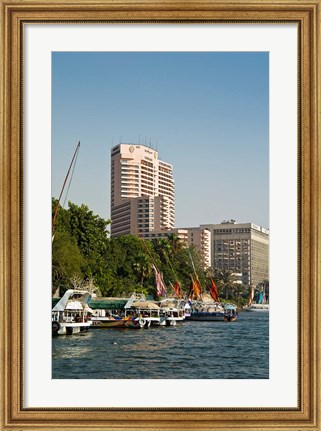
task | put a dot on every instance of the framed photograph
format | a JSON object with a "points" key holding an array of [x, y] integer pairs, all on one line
{"points": [[230, 94]]}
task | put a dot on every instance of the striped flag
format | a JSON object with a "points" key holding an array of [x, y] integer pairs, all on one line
{"points": [[161, 289]]}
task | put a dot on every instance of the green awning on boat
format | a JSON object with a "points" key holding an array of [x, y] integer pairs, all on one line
{"points": [[102, 304], [108, 304]]}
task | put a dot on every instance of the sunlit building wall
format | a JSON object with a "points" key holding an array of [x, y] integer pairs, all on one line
{"points": [[242, 248], [201, 239], [142, 191]]}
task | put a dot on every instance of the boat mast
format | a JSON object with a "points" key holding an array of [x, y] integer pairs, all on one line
{"points": [[196, 276], [63, 187]]}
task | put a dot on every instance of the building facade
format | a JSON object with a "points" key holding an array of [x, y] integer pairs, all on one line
{"points": [[142, 191], [242, 248], [200, 238]]}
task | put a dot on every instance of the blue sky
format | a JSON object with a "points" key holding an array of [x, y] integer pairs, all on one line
{"points": [[207, 113]]}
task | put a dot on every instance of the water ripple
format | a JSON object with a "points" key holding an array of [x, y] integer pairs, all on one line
{"points": [[193, 350]]}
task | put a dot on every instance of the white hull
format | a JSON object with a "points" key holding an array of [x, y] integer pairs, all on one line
{"points": [[257, 308], [156, 321], [71, 314], [172, 321], [72, 328]]}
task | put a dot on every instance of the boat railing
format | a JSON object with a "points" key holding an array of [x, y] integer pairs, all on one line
{"points": [[55, 316]]}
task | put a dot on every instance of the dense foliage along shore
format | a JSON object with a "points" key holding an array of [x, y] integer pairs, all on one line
{"points": [[83, 253]]}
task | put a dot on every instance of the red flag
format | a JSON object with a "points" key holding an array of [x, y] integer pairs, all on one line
{"points": [[197, 288], [177, 289], [213, 291]]}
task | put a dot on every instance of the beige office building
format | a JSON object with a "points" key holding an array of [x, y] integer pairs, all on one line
{"points": [[201, 239], [243, 248], [181, 234], [142, 191]]}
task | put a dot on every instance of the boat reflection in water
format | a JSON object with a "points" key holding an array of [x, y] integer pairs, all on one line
{"points": [[191, 350]]}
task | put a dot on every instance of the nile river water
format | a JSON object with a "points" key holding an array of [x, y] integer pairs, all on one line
{"points": [[191, 350]]}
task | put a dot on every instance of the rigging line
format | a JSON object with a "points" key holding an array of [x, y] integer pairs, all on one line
{"points": [[167, 258], [71, 177], [189, 252], [201, 289], [58, 204], [148, 251]]}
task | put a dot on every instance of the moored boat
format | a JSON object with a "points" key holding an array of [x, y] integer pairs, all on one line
{"points": [[204, 311], [71, 314], [230, 312], [256, 307], [118, 322], [111, 321], [111, 313], [147, 310], [173, 309], [135, 323], [261, 305]]}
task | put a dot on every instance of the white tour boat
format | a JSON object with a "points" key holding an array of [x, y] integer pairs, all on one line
{"points": [[261, 305], [257, 307], [137, 306], [207, 311], [71, 314], [147, 310], [173, 310]]}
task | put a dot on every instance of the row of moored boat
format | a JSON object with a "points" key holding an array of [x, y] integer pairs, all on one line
{"points": [[73, 313]]}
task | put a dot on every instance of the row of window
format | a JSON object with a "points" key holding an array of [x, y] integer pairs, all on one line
{"points": [[121, 207], [120, 214], [221, 231]]}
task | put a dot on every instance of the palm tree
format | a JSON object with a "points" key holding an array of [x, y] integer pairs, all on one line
{"points": [[142, 267], [175, 242], [163, 249], [226, 281]]}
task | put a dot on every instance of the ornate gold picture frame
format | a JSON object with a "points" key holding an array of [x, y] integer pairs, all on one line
{"points": [[14, 14]]}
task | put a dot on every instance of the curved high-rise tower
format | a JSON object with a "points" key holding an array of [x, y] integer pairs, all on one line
{"points": [[142, 191]]}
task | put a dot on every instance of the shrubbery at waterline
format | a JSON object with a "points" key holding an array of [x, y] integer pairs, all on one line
{"points": [[82, 253], [82, 250]]}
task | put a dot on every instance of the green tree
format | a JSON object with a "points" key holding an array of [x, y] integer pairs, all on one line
{"points": [[116, 266], [186, 262], [162, 248], [79, 245], [142, 267], [226, 282], [89, 230], [176, 243], [67, 261]]}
